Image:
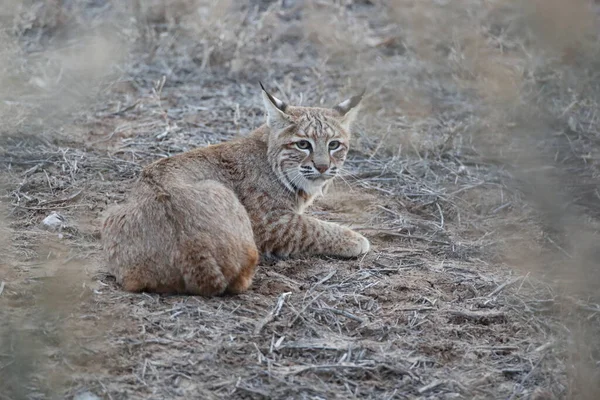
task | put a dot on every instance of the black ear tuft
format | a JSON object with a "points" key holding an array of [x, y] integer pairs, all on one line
{"points": [[274, 100], [349, 104]]}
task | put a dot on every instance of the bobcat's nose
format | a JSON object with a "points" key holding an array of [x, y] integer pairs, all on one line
{"points": [[321, 167]]}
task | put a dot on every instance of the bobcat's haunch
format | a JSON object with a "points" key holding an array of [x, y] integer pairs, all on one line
{"points": [[196, 222]]}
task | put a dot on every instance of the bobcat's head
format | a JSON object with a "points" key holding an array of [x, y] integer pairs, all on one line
{"points": [[308, 145]]}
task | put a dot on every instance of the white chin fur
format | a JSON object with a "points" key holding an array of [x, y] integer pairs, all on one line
{"points": [[312, 187]]}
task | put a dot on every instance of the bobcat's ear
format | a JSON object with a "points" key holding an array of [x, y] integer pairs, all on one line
{"points": [[277, 119], [348, 110]]}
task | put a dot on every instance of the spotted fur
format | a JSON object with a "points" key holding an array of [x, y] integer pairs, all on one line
{"points": [[196, 222]]}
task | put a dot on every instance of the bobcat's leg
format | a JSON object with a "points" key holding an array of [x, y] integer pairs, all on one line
{"points": [[139, 278], [244, 279], [202, 274], [294, 234], [217, 251]]}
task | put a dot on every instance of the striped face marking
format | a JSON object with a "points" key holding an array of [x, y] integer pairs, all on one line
{"points": [[308, 145], [313, 153]]}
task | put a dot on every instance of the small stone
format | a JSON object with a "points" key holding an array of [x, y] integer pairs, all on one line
{"points": [[86, 396], [54, 221], [572, 124]]}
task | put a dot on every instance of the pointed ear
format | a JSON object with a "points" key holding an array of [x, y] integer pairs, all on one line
{"points": [[277, 119], [348, 110]]}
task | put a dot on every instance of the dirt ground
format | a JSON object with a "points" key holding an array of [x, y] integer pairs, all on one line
{"points": [[473, 171]]}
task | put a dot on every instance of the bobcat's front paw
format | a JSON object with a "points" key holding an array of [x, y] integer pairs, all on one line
{"points": [[357, 245], [363, 246]]}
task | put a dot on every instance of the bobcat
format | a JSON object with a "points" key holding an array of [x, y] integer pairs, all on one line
{"points": [[196, 222]]}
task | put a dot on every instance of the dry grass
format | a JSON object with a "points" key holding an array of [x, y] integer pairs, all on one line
{"points": [[474, 173]]}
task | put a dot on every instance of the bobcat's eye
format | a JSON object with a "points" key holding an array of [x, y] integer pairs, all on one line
{"points": [[334, 144], [303, 145]]}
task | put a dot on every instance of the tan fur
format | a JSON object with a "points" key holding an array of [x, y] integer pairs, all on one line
{"points": [[195, 222]]}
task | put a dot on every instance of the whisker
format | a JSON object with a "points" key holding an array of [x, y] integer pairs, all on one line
{"points": [[291, 181], [347, 173], [346, 182], [283, 189]]}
